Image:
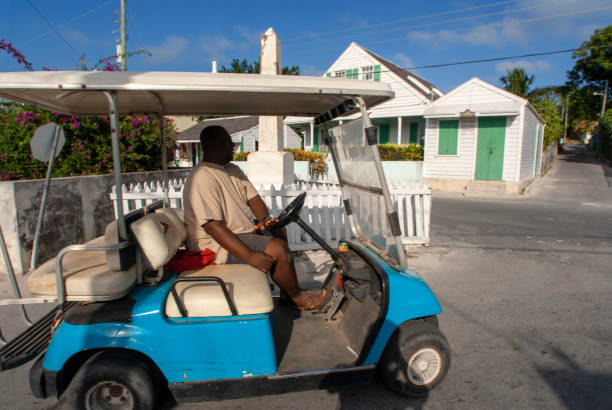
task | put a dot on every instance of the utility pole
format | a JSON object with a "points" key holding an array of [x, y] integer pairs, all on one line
{"points": [[123, 42], [566, 113]]}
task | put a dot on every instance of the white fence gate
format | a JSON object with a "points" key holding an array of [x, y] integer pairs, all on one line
{"points": [[323, 210]]}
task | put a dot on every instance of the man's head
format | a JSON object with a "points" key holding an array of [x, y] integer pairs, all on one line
{"points": [[217, 145]]}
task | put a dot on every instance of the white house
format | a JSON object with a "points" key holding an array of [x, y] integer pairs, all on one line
{"points": [[399, 120], [479, 132], [244, 131]]}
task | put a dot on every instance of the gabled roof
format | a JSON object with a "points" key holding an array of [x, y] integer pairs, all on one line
{"points": [[423, 86], [462, 98], [231, 124]]}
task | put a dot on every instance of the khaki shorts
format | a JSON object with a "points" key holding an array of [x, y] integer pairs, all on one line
{"points": [[254, 241]]}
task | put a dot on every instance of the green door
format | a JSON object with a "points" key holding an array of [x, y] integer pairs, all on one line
{"points": [[490, 150], [315, 140], [414, 130], [384, 134]]}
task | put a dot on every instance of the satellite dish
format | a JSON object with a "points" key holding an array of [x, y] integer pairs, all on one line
{"points": [[42, 141]]}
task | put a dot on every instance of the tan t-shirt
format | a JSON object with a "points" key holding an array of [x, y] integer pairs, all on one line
{"points": [[216, 193]]}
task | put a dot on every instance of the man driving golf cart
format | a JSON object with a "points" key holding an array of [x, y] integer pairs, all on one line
{"points": [[219, 202]]}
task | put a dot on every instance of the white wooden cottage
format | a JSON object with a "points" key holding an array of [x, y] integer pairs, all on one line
{"points": [[244, 131], [398, 121], [479, 132]]}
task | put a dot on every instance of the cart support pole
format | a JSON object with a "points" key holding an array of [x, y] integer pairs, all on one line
{"points": [[114, 123], [166, 184], [11, 275], [43, 201]]}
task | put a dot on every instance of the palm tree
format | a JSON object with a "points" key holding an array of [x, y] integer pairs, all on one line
{"points": [[517, 81]]}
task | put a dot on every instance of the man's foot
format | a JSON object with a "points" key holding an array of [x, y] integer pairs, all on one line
{"points": [[310, 299]]}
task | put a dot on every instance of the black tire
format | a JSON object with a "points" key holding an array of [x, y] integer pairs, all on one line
{"points": [[110, 381], [416, 359]]}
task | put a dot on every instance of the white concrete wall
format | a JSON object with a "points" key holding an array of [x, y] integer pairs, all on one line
{"points": [[528, 151], [460, 166]]}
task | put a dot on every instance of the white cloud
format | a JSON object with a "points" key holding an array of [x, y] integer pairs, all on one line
{"points": [[173, 48], [528, 66], [403, 60], [76, 36]]}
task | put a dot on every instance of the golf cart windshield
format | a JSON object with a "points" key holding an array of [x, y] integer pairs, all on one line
{"points": [[364, 190]]}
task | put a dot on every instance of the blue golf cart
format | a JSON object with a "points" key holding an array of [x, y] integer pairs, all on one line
{"points": [[125, 329]]}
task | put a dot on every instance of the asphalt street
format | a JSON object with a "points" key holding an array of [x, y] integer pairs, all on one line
{"points": [[526, 287]]}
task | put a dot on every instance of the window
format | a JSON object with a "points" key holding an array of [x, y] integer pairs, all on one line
{"points": [[447, 140], [367, 73], [340, 73]]}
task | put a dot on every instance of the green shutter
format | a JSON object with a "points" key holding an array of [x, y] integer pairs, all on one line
{"points": [[447, 140], [377, 72], [384, 134], [241, 144], [315, 140], [414, 131], [328, 75], [356, 73]]}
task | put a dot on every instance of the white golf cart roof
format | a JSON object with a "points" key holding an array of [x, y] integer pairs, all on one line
{"points": [[186, 93]]}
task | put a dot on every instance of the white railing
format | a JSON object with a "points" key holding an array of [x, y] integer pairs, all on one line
{"points": [[323, 210]]}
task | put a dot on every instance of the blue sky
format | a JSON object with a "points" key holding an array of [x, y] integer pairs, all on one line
{"points": [[186, 35]]}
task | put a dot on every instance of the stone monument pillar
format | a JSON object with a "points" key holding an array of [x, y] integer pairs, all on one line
{"points": [[270, 164]]}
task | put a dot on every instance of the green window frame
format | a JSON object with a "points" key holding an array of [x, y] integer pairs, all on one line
{"points": [[377, 72], [447, 137]]}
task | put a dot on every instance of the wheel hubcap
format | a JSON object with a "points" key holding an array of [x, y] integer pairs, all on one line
{"points": [[424, 366], [109, 395]]}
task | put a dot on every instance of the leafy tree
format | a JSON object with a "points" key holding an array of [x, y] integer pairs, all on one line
{"points": [[243, 66], [593, 61], [549, 111], [517, 81]]}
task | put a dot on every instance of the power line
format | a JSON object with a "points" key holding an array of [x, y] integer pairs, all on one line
{"points": [[435, 23], [529, 20], [53, 27], [384, 23], [68, 22]]}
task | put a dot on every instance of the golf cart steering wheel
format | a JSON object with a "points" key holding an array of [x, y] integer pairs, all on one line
{"points": [[292, 212]]}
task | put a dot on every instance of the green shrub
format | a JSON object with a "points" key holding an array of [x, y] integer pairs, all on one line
{"points": [[240, 156], [604, 136], [87, 149], [549, 111], [393, 152]]}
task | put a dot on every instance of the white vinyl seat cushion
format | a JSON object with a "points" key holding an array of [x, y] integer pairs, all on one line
{"points": [[87, 275], [158, 238], [248, 287]]}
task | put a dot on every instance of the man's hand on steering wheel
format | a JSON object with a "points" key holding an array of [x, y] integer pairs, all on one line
{"points": [[266, 224]]}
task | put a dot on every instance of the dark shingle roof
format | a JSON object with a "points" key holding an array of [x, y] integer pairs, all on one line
{"points": [[231, 124], [406, 76]]}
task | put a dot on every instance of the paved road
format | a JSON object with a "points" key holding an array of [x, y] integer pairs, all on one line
{"points": [[525, 284]]}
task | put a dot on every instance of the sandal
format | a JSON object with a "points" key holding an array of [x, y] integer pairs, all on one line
{"points": [[314, 299]]}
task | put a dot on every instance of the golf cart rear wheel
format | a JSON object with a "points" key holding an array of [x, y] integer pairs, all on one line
{"points": [[416, 359], [109, 381]]}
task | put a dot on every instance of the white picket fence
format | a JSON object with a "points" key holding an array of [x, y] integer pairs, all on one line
{"points": [[323, 210]]}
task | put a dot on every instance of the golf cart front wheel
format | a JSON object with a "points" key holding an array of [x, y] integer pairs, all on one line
{"points": [[416, 359], [111, 381]]}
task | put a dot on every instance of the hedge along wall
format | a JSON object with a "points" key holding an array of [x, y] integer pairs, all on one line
{"points": [[78, 210]]}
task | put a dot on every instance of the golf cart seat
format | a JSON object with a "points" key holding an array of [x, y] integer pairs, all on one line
{"points": [[247, 286], [98, 275], [161, 234], [89, 275]]}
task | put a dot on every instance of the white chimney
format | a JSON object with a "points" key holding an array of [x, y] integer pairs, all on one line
{"points": [[214, 66]]}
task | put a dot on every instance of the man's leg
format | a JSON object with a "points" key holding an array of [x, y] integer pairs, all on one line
{"points": [[286, 278]]}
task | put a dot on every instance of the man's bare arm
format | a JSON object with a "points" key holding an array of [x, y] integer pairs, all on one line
{"points": [[258, 206], [236, 247], [260, 210]]}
